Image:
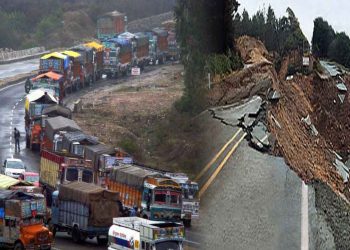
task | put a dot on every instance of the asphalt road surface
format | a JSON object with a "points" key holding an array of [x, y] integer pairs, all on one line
{"points": [[255, 201], [13, 69]]}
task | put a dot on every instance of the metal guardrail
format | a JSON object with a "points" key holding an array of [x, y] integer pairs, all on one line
{"points": [[9, 55]]}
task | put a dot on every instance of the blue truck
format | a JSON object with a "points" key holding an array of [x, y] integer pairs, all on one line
{"points": [[76, 209]]}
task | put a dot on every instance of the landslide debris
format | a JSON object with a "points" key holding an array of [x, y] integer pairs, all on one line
{"points": [[255, 78], [252, 50], [307, 121]]}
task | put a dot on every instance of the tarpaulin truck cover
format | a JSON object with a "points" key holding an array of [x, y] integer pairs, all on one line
{"points": [[59, 123], [132, 175], [103, 204], [93, 153]]}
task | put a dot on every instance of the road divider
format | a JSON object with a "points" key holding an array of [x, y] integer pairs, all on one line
{"points": [[214, 159], [222, 164]]}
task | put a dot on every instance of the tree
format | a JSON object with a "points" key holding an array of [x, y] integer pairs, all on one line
{"points": [[271, 29], [204, 27], [231, 7], [339, 49], [322, 37], [246, 23]]}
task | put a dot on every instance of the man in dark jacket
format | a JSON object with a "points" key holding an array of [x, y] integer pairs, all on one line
{"points": [[16, 135]]}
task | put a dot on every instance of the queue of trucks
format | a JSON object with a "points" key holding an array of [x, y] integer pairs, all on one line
{"points": [[78, 173]]}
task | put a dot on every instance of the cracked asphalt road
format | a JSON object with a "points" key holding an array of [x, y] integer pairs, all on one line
{"points": [[255, 201]]}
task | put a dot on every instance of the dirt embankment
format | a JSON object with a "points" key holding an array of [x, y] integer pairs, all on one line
{"points": [[139, 117], [331, 116], [309, 156], [255, 78]]}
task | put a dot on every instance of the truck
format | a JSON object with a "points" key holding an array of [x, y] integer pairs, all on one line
{"points": [[140, 234], [190, 199], [104, 158], [21, 221], [75, 69], [49, 81], [117, 57], [98, 50], [173, 47], [55, 126], [157, 197], [160, 37], [59, 168], [84, 210], [60, 64], [36, 101], [110, 24], [142, 50], [87, 66]]}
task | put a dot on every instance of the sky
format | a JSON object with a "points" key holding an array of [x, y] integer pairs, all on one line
{"points": [[336, 12]]}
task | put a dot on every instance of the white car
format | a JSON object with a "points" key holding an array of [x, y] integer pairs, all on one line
{"points": [[13, 167]]}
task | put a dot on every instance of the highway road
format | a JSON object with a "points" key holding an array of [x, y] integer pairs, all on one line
{"points": [[11, 116], [249, 200], [13, 69]]}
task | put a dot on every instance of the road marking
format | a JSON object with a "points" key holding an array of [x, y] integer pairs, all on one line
{"points": [[220, 167], [192, 242], [12, 85], [263, 139], [205, 169], [304, 217]]}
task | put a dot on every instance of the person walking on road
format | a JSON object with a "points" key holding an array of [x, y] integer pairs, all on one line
{"points": [[17, 135]]}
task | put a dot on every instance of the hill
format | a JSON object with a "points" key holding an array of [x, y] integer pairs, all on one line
{"points": [[59, 23]]}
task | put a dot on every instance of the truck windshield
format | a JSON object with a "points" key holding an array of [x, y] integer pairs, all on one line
{"points": [[168, 245], [160, 197], [166, 197], [15, 165], [32, 178], [175, 198], [72, 174], [87, 176]]}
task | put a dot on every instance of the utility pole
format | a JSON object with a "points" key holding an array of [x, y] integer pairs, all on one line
{"points": [[209, 83]]}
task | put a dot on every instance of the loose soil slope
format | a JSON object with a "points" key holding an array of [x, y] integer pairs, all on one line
{"points": [[139, 117], [309, 156]]}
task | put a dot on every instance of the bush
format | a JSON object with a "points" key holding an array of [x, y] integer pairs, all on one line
{"points": [[129, 146]]}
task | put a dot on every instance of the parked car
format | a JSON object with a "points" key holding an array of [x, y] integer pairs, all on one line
{"points": [[30, 177], [13, 167]]}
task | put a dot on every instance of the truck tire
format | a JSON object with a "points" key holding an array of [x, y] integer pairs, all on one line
{"points": [[102, 241], [27, 142], [76, 235], [187, 223], [18, 246], [52, 228]]}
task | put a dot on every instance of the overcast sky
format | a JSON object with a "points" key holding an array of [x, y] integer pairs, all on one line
{"points": [[335, 12]]}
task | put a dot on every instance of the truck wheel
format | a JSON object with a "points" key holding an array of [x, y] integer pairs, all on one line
{"points": [[52, 228], [102, 241], [18, 246], [76, 235], [187, 223], [27, 142]]}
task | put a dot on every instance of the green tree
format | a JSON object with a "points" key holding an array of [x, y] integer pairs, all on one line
{"points": [[246, 23], [258, 25], [201, 27], [322, 37], [339, 49], [271, 29]]}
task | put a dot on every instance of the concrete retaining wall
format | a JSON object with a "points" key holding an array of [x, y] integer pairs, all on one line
{"points": [[13, 56]]}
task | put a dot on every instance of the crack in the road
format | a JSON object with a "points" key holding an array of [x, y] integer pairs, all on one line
{"points": [[259, 117]]}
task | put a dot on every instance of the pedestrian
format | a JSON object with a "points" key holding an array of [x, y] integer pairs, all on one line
{"points": [[17, 135], [134, 211]]}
